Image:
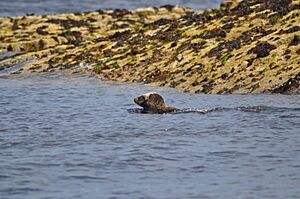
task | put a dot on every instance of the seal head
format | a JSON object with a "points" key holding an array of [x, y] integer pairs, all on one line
{"points": [[153, 103]]}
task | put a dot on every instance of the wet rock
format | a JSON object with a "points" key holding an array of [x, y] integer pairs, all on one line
{"points": [[168, 7], [291, 86]]}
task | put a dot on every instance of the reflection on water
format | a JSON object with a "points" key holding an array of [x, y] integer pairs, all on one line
{"points": [[72, 137]]}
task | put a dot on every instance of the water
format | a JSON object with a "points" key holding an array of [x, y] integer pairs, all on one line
{"points": [[22, 7], [72, 137]]}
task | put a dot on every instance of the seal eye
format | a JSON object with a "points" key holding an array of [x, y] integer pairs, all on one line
{"points": [[142, 99]]}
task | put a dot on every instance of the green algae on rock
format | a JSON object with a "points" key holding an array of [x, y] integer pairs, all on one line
{"points": [[244, 46]]}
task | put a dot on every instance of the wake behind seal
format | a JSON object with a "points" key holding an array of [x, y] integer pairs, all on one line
{"points": [[153, 103]]}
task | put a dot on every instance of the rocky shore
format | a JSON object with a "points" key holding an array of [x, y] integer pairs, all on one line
{"points": [[249, 46]]}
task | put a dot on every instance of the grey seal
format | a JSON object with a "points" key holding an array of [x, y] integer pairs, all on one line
{"points": [[153, 103]]}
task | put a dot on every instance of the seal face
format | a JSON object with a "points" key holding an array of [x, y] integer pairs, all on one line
{"points": [[153, 103]]}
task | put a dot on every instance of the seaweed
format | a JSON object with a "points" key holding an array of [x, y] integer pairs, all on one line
{"points": [[207, 87], [68, 23], [166, 36], [229, 45], [73, 37], [214, 33], [242, 9], [295, 41], [206, 16], [198, 46], [157, 75], [168, 7], [9, 48], [15, 25], [290, 30], [41, 44], [228, 26], [121, 35], [262, 50], [119, 13], [161, 22], [41, 31], [254, 34], [280, 6]]}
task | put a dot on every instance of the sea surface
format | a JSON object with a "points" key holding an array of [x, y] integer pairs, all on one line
{"points": [[75, 137], [22, 7]]}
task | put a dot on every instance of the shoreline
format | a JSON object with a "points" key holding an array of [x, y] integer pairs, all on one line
{"points": [[242, 47]]}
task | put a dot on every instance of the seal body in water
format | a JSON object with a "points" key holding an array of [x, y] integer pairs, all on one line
{"points": [[153, 103]]}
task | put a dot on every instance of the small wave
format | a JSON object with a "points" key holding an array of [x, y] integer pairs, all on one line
{"points": [[135, 110], [85, 177], [254, 109], [265, 109]]}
